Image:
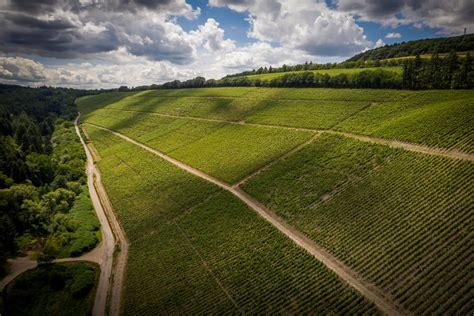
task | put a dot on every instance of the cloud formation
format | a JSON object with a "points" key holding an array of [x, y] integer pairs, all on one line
{"points": [[72, 29], [306, 25], [393, 35], [18, 70], [449, 16]]}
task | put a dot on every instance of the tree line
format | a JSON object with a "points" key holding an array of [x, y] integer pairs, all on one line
{"points": [[439, 73], [451, 72]]}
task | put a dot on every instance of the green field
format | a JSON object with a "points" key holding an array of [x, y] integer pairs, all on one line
{"points": [[197, 250], [330, 72], [401, 219], [428, 56], [435, 118], [226, 151], [52, 289]]}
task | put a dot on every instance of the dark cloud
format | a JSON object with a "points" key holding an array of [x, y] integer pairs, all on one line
{"points": [[450, 16], [67, 29], [42, 6], [56, 38]]}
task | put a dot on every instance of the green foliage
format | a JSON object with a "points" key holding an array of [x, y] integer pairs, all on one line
{"points": [[195, 249], [400, 219], [52, 289], [446, 73], [52, 204]]}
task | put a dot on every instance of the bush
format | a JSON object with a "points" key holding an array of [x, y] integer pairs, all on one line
{"points": [[83, 283]]}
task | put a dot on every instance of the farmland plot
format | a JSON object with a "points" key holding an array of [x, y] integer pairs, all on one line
{"points": [[196, 249], [330, 72], [403, 220], [306, 113], [226, 151], [436, 118]]}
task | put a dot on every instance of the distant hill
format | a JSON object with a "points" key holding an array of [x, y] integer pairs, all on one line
{"points": [[425, 46]]}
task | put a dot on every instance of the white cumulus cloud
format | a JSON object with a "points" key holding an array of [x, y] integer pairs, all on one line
{"points": [[393, 35]]}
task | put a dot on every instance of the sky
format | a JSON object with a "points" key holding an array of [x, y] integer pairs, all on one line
{"points": [[109, 43]]}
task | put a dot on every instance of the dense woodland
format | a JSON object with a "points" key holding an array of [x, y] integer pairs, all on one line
{"points": [[42, 198], [461, 43]]}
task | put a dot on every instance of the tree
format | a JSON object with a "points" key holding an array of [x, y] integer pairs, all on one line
{"points": [[451, 68], [464, 78], [435, 77]]}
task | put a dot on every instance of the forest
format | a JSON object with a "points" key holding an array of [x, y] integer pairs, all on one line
{"points": [[44, 205]]}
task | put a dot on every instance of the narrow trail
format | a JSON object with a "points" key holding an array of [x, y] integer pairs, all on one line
{"points": [[112, 271], [108, 239], [17, 266], [434, 151], [344, 272], [22, 264]]}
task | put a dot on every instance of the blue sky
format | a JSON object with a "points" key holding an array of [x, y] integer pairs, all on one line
{"points": [[236, 26], [108, 43]]}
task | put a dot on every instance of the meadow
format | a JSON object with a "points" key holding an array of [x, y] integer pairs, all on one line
{"points": [[330, 72], [195, 249], [401, 219]]}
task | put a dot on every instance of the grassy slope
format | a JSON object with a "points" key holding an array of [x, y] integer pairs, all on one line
{"points": [[435, 118], [189, 241], [57, 289], [226, 151], [401, 219], [331, 72]]}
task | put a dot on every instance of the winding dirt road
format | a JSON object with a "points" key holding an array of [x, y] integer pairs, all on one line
{"points": [[112, 273], [108, 239], [344, 272]]}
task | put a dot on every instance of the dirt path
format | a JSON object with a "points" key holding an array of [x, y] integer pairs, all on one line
{"points": [[108, 240], [23, 264], [112, 273], [17, 267], [453, 154], [344, 272]]}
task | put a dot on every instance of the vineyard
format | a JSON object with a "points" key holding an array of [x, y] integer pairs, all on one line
{"points": [[435, 118], [195, 249], [227, 151], [400, 220]]}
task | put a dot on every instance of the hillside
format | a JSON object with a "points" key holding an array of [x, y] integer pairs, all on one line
{"points": [[461, 43], [219, 191]]}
